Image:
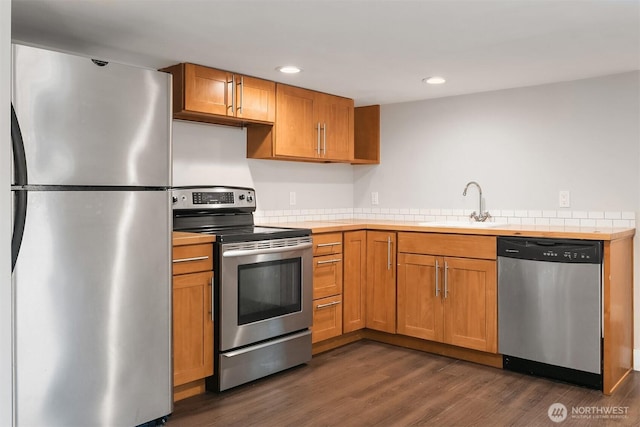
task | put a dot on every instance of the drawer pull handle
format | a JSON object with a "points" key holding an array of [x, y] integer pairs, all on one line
{"points": [[195, 258], [212, 302], [446, 279], [329, 304], [437, 281], [329, 261], [322, 245]]}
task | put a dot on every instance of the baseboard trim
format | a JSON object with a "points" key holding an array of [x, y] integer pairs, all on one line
{"points": [[488, 359], [189, 389], [339, 341], [460, 353]]}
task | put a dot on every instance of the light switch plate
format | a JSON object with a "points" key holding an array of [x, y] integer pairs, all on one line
{"points": [[292, 198], [374, 198]]}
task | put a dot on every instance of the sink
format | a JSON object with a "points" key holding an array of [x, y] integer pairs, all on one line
{"points": [[462, 224]]}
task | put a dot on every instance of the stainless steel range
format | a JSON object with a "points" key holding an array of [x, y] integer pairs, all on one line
{"points": [[263, 284]]}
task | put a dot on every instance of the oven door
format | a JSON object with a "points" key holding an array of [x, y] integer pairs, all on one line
{"points": [[266, 290]]}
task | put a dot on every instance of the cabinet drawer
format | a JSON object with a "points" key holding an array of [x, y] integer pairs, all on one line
{"points": [[327, 243], [327, 275], [457, 245], [327, 318], [192, 258]]}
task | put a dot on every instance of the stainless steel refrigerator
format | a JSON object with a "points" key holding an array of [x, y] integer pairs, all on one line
{"points": [[91, 250]]}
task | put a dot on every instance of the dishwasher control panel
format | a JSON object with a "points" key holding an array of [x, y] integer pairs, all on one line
{"points": [[552, 250]]}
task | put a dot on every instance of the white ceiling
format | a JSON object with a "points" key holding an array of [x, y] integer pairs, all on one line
{"points": [[376, 52]]}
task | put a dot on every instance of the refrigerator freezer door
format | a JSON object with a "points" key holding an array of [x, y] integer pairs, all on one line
{"points": [[93, 309], [85, 124]]}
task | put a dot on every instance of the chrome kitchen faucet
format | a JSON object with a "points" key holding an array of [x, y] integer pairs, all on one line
{"points": [[480, 216]]}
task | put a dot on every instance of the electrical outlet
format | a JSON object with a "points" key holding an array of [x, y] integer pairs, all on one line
{"points": [[564, 199], [374, 198], [292, 198]]}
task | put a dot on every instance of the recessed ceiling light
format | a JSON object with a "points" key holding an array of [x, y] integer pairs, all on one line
{"points": [[435, 80], [289, 69]]}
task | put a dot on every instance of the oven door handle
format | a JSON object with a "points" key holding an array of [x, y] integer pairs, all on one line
{"points": [[266, 344], [248, 252]]}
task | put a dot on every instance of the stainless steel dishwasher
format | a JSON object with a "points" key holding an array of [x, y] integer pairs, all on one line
{"points": [[550, 308]]}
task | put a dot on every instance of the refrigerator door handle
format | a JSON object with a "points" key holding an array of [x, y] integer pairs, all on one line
{"points": [[19, 156], [20, 177]]}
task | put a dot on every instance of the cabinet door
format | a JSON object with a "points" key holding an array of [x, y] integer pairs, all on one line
{"points": [[327, 275], [207, 90], [470, 304], [256, 99], [354, 279], [327, 318], [192, 327], [296, 130], [335, 115], [381, 281], [420, 311]]}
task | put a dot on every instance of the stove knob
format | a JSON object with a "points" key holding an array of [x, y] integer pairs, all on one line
{"points": [[241, 197], [249, 199], [174, 199]]}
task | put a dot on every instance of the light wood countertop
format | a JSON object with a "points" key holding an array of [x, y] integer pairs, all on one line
{"points": [[181, 238], [588, 233]]}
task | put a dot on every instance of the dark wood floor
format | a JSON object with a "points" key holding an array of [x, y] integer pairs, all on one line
{"points": [[373, 384]]}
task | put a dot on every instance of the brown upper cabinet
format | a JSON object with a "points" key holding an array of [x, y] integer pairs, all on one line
{"points": [[283, 122], [215, 96], [310, 126], [366, 134]]}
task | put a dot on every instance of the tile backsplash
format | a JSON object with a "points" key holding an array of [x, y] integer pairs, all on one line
{"points": [[560, 218]]}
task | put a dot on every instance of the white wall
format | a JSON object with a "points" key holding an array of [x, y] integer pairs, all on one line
{"points": [[216, 155], [5, 217], [522, 145]]}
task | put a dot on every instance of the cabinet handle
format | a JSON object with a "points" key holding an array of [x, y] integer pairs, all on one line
{"points": [[318, 132], [324, 135], [241, 101], [329, 261], [329, 304], [437, 284], [233, 94], [322, 245], [197, 258], [446, 279], [212, 302], [388, 252]]}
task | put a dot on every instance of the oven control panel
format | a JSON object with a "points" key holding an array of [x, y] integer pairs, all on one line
{"points": [[213, 197]]}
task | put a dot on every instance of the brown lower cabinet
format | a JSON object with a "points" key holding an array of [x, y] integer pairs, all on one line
{"points": [[327, 286], [381, 281], [192, 320], [354, 281], [449, 300]]}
